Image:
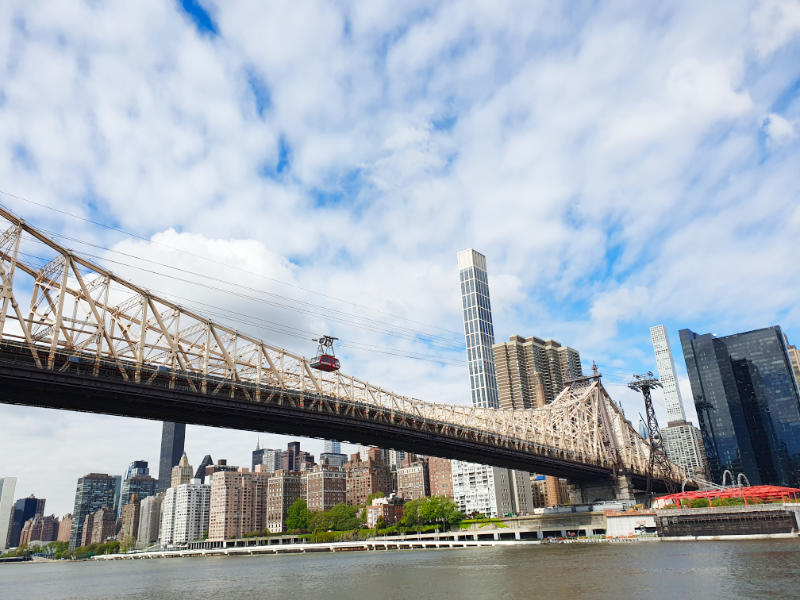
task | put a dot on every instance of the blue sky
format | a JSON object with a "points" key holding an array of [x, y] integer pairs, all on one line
{"points": [[619, 165]]}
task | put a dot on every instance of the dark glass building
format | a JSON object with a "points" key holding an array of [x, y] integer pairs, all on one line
{"points": [[747, 404], [137, 482], [172, 438], [94, 491], [201, 470], [24, 509]]}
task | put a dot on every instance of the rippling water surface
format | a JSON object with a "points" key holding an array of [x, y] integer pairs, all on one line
{"points": [[706, 570]]}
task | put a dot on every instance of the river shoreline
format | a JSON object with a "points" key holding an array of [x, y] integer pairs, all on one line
{"points": [[380, 545], [376, 545]]}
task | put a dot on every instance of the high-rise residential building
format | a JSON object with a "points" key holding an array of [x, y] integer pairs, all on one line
{"points": [[39, 530], [24, 509], [522, 362], [440, 476], [64, 528], [366, 477], [238, 503], [478, 328], [546, 493], [185, 513], [683, 445], [98, 526], [201, 470], [137, 482], [666, 374], [682, 440], [532, 372], [172, 439], [479, 488], [149, 521], [412, 479], [182, 472], [325, 487], [283, 489], [747, 403], [94, 491], [485, 491], [131, 513], [7, 487], [221, 466], [521, 494]]}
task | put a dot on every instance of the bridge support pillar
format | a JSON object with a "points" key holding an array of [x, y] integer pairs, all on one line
{"points": [[624, 487], [587, 493]]}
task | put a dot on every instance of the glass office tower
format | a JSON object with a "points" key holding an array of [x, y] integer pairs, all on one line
{"points": [[172, 438], [747, 404]]}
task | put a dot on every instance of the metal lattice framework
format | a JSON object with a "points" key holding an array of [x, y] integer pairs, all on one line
{"points": [[77, 312]]}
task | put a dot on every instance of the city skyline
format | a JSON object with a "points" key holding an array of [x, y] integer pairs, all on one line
{"points": [[605, 200]]}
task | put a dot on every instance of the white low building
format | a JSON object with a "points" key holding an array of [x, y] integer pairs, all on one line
{"points": [[630, 523]]}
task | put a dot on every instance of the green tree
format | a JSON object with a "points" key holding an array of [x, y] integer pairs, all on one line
{"points": [[412, 513], [344, 517], [374, 495], [128, 543], [440, 509], [298, 516]]}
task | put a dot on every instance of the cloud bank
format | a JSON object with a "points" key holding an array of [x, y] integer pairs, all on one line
{"points": [[619, 167]]}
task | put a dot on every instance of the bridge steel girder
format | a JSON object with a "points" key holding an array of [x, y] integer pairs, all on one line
{"points": [[30, 386]]}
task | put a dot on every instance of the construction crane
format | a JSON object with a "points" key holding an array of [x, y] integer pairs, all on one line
{"points": [[643, 384]]}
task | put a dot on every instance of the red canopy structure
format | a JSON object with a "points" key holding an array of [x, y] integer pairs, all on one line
{"points": [[756, 494]]}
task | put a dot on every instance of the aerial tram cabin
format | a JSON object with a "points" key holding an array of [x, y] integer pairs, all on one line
{"points": [[325, 360]]}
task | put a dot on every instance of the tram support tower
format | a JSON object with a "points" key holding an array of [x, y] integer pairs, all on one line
{"points": [[643, 384]]}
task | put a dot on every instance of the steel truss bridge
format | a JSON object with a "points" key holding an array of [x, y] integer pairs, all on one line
{"points": [[75, 336]]}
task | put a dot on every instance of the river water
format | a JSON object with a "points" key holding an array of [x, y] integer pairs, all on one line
{"points": [[674, 570]]}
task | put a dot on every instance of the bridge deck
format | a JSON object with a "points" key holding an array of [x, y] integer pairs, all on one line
{"points": [[277, 411]]}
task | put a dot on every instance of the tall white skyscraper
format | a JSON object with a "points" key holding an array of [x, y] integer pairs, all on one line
{"points": [[478, 329], [666, 373], [7, 486], [682, 441], [480, 488]]}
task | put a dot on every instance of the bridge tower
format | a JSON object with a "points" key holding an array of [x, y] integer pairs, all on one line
{"points": [[643, 384]]}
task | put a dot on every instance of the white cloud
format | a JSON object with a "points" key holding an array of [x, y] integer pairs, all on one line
{"points": [[609, 163], [775, 22], [779, 129]]}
